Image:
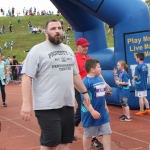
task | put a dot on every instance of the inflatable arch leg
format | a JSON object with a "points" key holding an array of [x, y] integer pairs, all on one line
{"points": [[131, 24]]}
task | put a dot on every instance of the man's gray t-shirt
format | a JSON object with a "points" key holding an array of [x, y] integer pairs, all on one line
{"points": [[52, 68]]}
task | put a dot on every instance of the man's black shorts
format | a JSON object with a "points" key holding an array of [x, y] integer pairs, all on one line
{"points": [[57, 126]]}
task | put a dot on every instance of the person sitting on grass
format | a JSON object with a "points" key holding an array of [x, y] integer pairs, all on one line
{"points": [[5, 45], [34, 30]]}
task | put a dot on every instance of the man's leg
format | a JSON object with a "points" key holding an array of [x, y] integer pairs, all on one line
{"points": [[67, 130], [50, 124], [63, 147], [47, 148]]}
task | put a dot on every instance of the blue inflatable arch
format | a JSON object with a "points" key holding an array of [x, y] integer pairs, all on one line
{"points": [[131, 23]]}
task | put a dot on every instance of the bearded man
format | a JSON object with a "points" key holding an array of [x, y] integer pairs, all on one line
{"points": [[52, 67]]}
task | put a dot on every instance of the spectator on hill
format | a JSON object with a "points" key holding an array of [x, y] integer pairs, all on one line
{"points": [[39, 29], [11, 44], [3, 28], [64, 35], [19, 20], [1, 32], [14, 68], [9, 12], [68, 28], [5, 45], [10, 27], [38, 13], [1, 49], [29, 26], [2, 11], [34, 10], [43, 30], [13, 12], [62, 23], [34, 30], [24, 11], [30, 10], [8, 60]]}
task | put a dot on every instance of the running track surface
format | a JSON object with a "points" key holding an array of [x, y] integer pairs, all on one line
{"points": [[16, 134]]}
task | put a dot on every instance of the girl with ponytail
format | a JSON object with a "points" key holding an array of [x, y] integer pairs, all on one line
{"points": [[123, 84]]}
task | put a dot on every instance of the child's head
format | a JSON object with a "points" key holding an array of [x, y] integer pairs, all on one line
{"points": [[93, 66], [139, 57], [121, 65]]}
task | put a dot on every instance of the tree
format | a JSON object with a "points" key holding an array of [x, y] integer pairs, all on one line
{"points": [[148, 2]]}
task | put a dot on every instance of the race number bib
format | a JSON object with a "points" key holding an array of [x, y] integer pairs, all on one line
{"points": [[100, 90]]}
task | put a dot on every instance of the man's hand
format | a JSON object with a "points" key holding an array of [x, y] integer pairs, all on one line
{"points": [[95, 114], [86, 99], [25, 112]]}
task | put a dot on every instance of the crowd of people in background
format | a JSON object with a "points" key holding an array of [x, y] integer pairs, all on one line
{"points": [[11, 12]]}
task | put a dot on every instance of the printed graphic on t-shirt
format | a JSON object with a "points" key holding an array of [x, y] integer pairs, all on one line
{"points": [[100, 90], [66, 57]]}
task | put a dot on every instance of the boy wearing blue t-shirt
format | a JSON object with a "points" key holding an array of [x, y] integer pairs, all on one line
{"points": [[140, 77], [94, 117]]}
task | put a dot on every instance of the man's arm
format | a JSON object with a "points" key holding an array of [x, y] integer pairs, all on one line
{"points": [[26, 97], [80, 86]]}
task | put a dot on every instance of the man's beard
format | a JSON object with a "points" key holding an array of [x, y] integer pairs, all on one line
{"points": [[54, 40]]}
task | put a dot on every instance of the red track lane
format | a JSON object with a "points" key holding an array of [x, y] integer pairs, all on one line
{"points": [[16, 134]]}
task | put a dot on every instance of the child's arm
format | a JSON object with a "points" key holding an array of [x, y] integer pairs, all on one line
{"points": [[135, 77], [94, 113], [136, 73], [122, 83]]}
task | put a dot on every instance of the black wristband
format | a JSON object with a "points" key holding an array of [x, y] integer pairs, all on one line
{"points": [[84, 92]]}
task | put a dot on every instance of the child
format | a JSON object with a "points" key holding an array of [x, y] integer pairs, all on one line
{"points": [[123, 83], [140, 77], [5, 45], [11, 44], [94, 117]]}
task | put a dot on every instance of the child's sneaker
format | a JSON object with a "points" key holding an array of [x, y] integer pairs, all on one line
{"points": [[125, 119], [147, 112], [140, 113], [122, 116], [96, 144]]}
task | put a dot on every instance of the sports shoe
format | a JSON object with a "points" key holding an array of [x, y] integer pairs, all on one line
{"points": [[4, 104], [122, 116], [140, 113], [96, 144], [147, 112], [125, 119]]}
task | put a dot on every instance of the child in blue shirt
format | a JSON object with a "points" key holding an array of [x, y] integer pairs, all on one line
{"points": [[94, 117], [11, 44], [140, 77], [123, 83]]}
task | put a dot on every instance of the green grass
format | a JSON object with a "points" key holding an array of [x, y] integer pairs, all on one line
{"points": [[23, 40]]}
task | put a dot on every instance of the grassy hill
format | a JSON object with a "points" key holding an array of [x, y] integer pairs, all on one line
{"points": [[23, 40]]}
